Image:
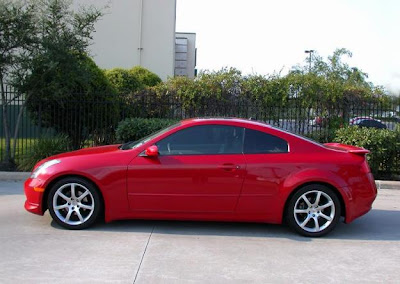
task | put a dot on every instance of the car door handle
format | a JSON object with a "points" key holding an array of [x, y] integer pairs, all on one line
{"points": [[229, 167]]}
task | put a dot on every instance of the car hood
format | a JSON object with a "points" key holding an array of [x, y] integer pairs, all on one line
{"points": [[89, 151], [83, 152]]}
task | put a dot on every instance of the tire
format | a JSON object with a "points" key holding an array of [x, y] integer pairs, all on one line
{"points": [[313, 211], [74, 203]]}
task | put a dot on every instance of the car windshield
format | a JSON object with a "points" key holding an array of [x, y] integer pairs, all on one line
{"points": [[134, 144]]}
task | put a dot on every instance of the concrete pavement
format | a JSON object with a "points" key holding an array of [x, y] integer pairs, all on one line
{"points": [[35, 249]]}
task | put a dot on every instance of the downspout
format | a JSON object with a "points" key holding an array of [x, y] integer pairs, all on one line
{"points": [[140, 48]]}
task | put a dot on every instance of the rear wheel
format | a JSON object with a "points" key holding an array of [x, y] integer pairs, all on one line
{"points": [[313, 211], [74, 203]]}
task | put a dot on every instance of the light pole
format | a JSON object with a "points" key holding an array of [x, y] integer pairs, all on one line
{"points": [[310, 52]]}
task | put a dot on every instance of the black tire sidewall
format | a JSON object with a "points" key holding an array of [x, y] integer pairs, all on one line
{"points": [[93, 191], [290, 210]]}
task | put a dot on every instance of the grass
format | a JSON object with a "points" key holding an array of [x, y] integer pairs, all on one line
{"points": [[23, 146]]}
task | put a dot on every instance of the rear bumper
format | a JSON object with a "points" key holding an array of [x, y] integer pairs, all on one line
{"points": [[363, 196], [34, 196]]}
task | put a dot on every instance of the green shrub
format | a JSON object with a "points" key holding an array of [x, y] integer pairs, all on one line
{"points": [[129, 81], [132, 129], [123, 80], [384, 145], [145, 77], [43, 148], [323, 136]]}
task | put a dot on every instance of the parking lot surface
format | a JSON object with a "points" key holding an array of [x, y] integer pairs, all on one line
{"points": [[35, 249]]}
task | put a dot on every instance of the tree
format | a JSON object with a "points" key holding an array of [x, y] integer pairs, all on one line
{"points": [[44, 46], [17, 40], [60, 77], [75, 88], [334, 80]]}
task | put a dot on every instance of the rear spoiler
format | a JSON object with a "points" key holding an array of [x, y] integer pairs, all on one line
{"points": [[347, 148]]}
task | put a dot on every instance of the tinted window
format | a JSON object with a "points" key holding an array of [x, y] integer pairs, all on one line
{"points": [[203, 139], [257, 142]]}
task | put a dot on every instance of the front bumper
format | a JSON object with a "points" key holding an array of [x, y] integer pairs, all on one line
{"points": [[34, 190]]}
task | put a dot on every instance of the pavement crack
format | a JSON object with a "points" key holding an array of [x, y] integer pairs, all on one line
{"points": [[144, 252]]}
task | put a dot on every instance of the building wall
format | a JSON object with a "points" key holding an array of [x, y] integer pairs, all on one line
{"points": [[135, 32], [185, 54]]}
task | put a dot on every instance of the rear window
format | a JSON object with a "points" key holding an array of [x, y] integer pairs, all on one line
{"points": [[257, 142]]}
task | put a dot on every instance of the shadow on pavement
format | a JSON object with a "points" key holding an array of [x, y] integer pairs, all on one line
{"points": [[378, 225]]}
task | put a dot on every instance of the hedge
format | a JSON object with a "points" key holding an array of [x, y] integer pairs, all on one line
{"points": [[132, 129]]}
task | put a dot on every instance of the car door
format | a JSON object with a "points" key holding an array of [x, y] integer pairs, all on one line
{"points": [[267, 164], [198, 169]]}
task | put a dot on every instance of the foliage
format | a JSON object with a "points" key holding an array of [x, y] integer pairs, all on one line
{"points": [[17, 41], [384, 145], [209, 94], [331, 85], [322, 136], [129, 81], [45, 147], [87, 86], [59, 73], [123, 81], [132, 129], [17, 30], [145, 77]]}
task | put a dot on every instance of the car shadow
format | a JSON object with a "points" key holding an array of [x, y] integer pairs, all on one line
{"points": [[378, 225]]}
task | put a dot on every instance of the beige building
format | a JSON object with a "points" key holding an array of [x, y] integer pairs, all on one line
{"points": [[137, 32]]}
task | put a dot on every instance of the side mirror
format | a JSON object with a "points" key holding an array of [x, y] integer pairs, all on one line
{"points": [[152, 151]]}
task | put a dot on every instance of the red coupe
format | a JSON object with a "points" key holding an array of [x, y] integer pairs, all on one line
{"points": [[207, 169]]}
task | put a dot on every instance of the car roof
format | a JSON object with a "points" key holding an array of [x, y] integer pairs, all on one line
{"points": [[224, 119]]}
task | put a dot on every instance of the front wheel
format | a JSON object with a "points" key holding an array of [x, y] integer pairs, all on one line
{"points": [[74, 203], [313, 211]]}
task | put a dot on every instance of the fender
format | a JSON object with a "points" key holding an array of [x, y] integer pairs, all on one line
{"points": [[314, 175], [112, 188]]}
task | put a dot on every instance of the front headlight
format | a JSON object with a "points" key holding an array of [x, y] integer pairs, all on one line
{"points": [[42, 168]]}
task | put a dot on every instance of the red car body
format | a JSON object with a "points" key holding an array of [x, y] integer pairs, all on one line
{"points": [[232, 187]]}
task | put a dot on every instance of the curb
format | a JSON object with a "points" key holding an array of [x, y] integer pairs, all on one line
{"points": [[387, 184], [22, 176], [14, 176]]}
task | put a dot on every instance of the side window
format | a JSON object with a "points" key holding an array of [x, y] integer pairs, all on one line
{"points": [[257, 142], [203, 140]]}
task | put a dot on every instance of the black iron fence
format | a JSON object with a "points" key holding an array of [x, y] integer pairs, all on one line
{"points": [[94, 122]]}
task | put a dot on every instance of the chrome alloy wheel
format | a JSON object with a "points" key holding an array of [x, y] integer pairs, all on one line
{"points": [[73, 204], [314, 211]]}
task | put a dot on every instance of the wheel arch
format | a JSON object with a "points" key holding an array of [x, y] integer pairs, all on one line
{"points": [[335, 190], [55, 180]]}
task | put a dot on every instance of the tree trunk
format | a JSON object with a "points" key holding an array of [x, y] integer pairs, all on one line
{"points": [[7, 134], [20, 113]]}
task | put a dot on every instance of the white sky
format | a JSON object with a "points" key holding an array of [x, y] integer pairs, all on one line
{"points": [[263, 36]]}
